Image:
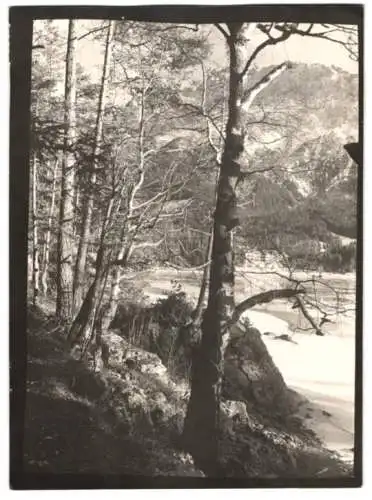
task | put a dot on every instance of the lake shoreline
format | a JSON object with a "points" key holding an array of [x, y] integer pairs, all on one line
{"points": [[321, 369]]}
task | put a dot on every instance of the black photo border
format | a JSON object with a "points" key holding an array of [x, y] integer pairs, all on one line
{"points": [[21, 20]]}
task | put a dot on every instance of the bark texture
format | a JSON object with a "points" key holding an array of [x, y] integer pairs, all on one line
{"points": [[46, 249], [204, 284], [87, 208], [35, 249], [202, 424], [83, 329], [66, 216], [201, 430]]}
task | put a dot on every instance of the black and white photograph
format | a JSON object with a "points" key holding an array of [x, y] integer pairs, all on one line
{"points": [[186, 246]]}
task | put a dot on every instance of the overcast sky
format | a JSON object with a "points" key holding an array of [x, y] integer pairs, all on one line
{"points": [[297, 49], [309, 50]]}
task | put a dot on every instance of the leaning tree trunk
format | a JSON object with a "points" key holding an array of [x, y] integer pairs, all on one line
{"points": [[88, 202], [66, 217], [82, 331], [35, 249], [46, 249], [202, 420], [83, 328]]}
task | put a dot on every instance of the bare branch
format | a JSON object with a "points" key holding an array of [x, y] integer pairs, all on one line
{"points": [[194, 268], [199, 110], [307, 315], [266, 29], [154, 199], [177, 26], [294, 30], [249, 173], [133, 248], [269, 41], [264, 82], [261, 298], [209, 120], [94, 30], [222, 30]]}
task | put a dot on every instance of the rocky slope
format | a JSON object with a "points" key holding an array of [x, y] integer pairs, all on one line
{"points": [[125, 415]]}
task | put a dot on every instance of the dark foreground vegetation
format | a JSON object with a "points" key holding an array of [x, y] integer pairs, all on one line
{"points": [[126, 417]]}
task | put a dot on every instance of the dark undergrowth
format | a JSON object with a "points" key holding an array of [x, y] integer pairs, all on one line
{"points": [[71, 425], [158, 328], [77, 421]]}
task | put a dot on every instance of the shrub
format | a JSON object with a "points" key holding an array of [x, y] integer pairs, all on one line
{"points": [[170, 315], [339, 257], [156, 328], [173, 311]]}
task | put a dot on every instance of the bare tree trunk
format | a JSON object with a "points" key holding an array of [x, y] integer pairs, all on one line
{"points": [[204, 284], [110, 310], [66, 217], [35, 249], [202, 420], [46, 249], [126, 242], [206, 272], [88, 202], [76, 207], [201, 431], [82, 330]]}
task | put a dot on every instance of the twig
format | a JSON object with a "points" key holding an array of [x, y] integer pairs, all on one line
{"points": [[307, 315], [270, 41]]}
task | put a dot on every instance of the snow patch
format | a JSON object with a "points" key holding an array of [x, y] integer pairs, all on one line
{"points": [[267, 323], [303, 187]]}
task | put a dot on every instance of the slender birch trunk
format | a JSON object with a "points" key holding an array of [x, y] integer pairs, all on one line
{"points": [[76, 208], [35, 249], [109, 312], [46, 248], [88, 202], [66, 217], [128, 232]]}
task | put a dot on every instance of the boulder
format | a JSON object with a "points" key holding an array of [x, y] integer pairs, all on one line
{"points": [[251, 375], [120, 355], [148, 395], [236, 410], [233, 414]]}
